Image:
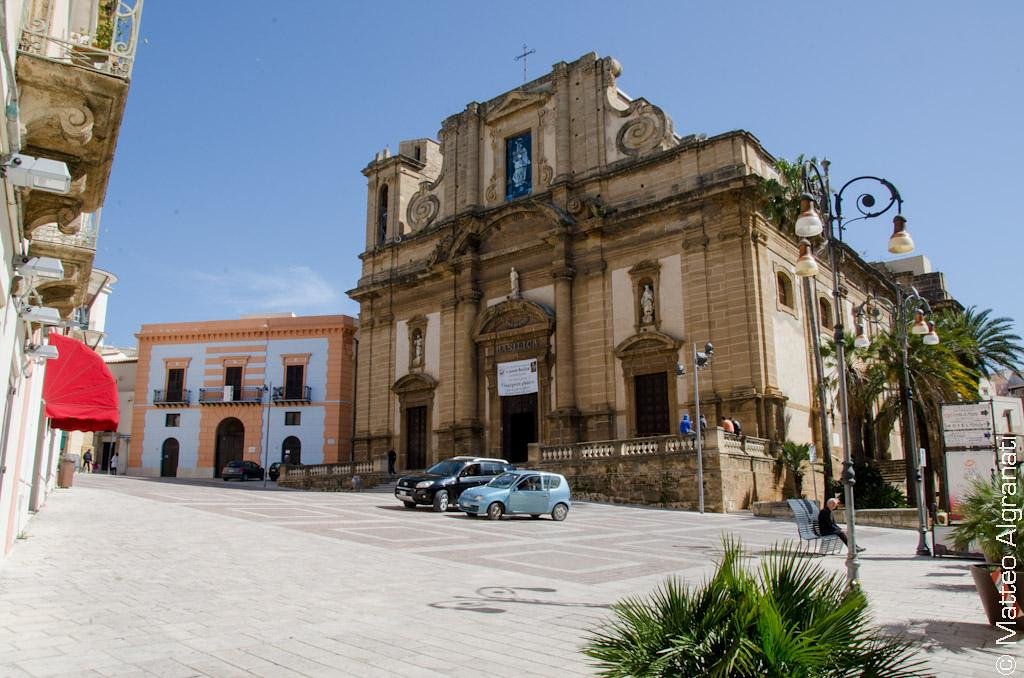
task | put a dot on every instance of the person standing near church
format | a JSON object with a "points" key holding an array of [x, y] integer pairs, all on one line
{"points": [[392, 458], [87, 461], [113, 464], [685, 425]]}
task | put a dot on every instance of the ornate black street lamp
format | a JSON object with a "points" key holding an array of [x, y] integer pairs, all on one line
{"points": [[900, 311], [818, 199]]}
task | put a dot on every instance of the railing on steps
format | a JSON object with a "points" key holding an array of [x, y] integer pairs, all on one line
{"points": [[715, 440], [321, 470]]}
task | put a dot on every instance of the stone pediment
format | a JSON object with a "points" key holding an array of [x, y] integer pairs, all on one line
{"points": [[646, 343], [411, 383], [516, 101], [512, 316], [478, 232]]}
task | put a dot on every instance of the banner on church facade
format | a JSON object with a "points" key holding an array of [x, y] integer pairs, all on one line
{"points": [[518, 377]]}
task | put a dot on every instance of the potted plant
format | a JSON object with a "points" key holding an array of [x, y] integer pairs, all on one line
{"points": [[993, 518]]}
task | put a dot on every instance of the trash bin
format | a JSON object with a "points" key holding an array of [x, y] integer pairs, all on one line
{"points": [[66, 473]]}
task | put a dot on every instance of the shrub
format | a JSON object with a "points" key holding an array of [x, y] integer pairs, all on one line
{"points": [[791, 457], [871, 490], [790, 619], [990, 516]]}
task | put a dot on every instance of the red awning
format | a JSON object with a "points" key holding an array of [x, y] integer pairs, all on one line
{"points": [[79, 390]]}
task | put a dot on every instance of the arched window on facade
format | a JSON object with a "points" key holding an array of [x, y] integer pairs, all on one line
{"points": [[825, 312], [382, 215], [785, 289]]}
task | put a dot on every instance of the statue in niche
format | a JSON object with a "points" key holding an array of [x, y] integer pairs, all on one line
{"points": [[417, 347], [647, 304], [513, 278]]}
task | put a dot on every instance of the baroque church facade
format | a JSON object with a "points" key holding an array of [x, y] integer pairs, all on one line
{"points": [[537, 274]]}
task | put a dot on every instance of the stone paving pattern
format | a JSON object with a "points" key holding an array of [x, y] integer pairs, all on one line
{"points": [[143, 577]]}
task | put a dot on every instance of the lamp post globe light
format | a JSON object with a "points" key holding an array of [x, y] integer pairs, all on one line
{"points": [[701, 360], [821, 212], [900, 311]]}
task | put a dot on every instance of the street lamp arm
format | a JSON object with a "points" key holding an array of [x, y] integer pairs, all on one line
{"points": [[866, 201]]}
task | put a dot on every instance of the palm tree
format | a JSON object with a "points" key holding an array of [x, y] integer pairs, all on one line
{"points": [[781, 197], [936, 375], [791, 457], [788, 619], [981, 342], [865, 384]]}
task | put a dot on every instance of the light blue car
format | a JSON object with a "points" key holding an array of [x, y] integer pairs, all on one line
{"points": [[529, 492]]}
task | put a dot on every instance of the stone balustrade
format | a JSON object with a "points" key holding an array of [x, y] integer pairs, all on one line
{"points": [[332, 477], [662, 470]]}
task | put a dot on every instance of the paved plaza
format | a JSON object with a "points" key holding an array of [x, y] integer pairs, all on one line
{"points": [[135, 577]]}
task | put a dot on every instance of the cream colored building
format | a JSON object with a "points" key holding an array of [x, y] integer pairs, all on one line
{"points": [[537, 273], [64, 104]]}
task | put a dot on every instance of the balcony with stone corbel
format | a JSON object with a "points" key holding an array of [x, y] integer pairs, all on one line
{"points": [[73, 74]]}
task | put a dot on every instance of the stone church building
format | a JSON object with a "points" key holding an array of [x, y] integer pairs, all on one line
{"points": [[538, 272]]}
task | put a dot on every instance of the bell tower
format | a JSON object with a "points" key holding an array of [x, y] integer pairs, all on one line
{"points": [[391, 182]]}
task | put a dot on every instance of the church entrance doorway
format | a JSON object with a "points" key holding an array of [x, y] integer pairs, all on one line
{"points": [[652, 404], [518, 426], [230, 440], [416, 437]]}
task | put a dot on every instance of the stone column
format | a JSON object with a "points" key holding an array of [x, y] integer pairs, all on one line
{"points": [[446, 393], [467, 399], [565, 418]]}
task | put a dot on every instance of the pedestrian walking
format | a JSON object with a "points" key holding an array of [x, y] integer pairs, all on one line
{"points": [[392, 458], [87, 461], [113, 464]]}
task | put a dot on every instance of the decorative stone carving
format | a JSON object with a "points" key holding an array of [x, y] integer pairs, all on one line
{"points": [[546, 173], [423, 208], [76, 124], [47, 208], [513, 314], [646, 129]]}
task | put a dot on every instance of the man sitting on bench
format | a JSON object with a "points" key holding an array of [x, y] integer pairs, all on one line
{"points": [[827, 524]]}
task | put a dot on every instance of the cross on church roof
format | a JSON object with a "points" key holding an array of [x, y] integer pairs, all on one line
{"points": [[526, 52]]}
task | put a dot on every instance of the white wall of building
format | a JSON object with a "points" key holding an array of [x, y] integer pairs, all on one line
{"points": [[310, 431]]}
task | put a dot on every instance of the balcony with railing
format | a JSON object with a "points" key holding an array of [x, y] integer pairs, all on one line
{"points": [[97, 35], [284, 394], [73, 69], [175, 398], [76, 250], [228, 395]]}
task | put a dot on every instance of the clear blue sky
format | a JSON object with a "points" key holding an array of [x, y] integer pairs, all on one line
{"points": [[236, 187]]}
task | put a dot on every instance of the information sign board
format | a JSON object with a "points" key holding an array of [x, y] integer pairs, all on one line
{"points": [[518, 377]]}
